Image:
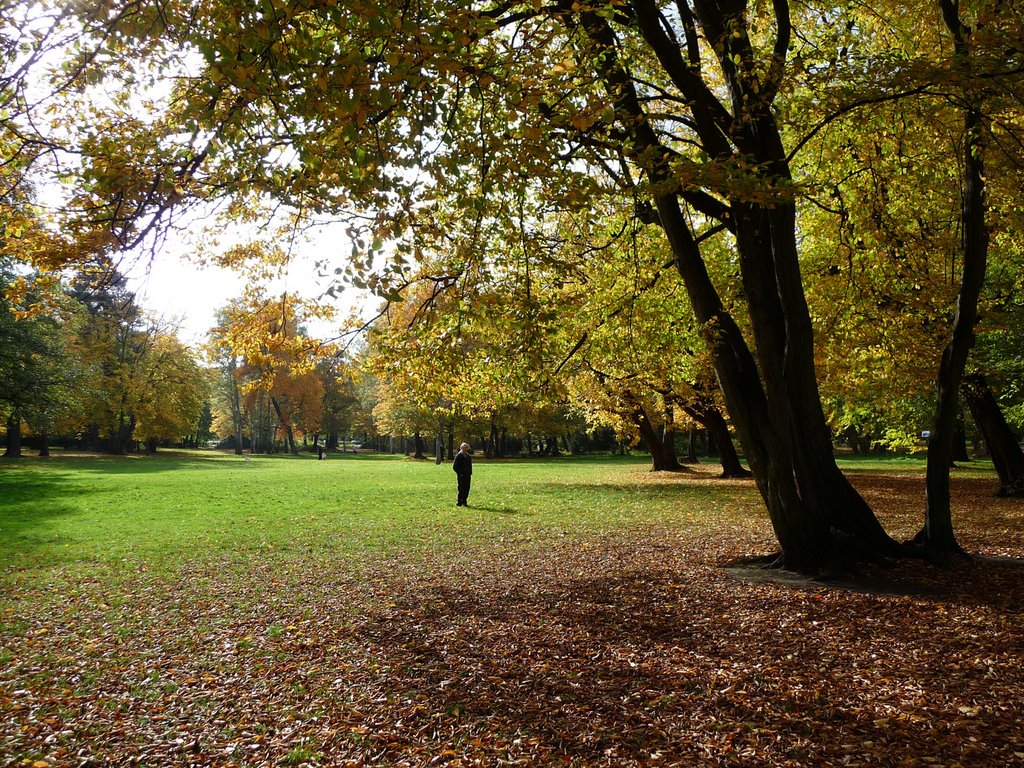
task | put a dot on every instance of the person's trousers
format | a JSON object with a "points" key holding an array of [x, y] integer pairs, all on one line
{"points": [[464, 481]]}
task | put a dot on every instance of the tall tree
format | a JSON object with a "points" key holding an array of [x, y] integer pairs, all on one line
{"points": [[937, 533], [278, 359], [175, 391], [228, 387], [41, 376]]}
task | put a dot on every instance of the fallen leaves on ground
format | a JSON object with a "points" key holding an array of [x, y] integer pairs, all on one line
{"points": [[634, 648]]}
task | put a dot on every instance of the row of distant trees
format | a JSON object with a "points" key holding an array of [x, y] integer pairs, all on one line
{"points": [[83, 365], [86, 366]]}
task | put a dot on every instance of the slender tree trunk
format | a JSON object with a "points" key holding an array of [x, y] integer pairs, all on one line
{"points": [[44, 445], [727, 455], [439, 443], [937, 534], [708, 416], [999, 438], [691, 447], [237, 423], [491, 446], [13, 436], [418, 442], [288, 431]]}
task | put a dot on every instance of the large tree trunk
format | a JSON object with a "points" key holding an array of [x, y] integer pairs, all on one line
{"points": [[13, 436], [659, 460], [123, 437], [705, 413], [999, 438], [858, 442], [122, 434], [816, 514], [418, 443], [668, 440]]}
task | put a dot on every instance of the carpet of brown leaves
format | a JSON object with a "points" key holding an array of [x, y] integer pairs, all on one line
{"points": [[635, 649]]}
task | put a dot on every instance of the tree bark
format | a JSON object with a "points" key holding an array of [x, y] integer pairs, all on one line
{"points": [[121, 440], [13, 437], [999, 438], [959, 440], [660, 461], [818, 517], [439, 443], [237, 420], [691, 447], [491, 446], [937, 535], [288, 431], [668, 441], [708, 416], [858, 442]]}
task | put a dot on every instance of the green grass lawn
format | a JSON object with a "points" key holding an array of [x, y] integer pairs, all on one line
{"points": [[174, 507], [160, 511]]}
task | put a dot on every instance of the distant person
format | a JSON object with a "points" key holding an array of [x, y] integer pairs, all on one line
{"points": [[463, 466]]}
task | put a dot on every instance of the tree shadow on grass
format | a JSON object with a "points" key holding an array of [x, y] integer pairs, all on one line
{"points": [[34, 492], [698, 487], [977, 580], [138, 464], [27, 501]]}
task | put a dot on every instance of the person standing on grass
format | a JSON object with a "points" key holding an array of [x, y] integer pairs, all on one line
{"points": [[463, 466]]}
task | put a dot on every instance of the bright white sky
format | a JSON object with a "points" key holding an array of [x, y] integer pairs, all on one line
{"points": [[182, 294], [189, 295]]}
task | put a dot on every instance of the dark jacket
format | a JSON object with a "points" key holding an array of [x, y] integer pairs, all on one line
{"points": [[463, 464]]}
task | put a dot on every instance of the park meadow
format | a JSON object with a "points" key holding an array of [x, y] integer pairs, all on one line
{"points": [[199, 608]]}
